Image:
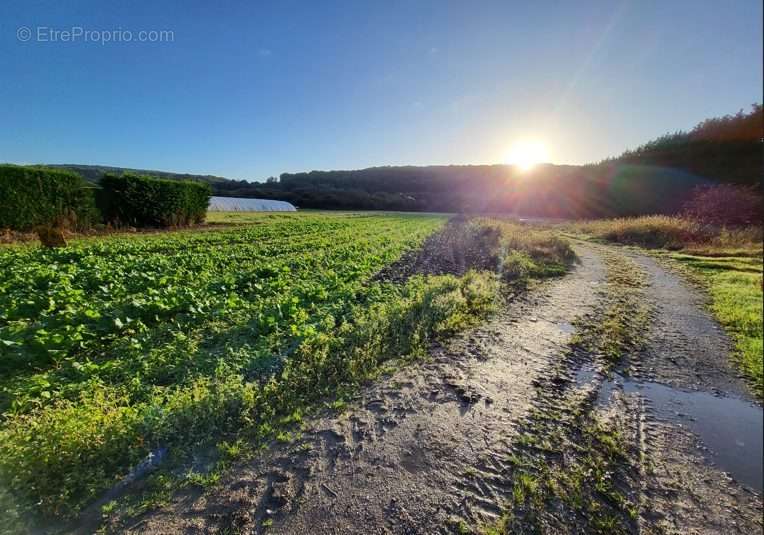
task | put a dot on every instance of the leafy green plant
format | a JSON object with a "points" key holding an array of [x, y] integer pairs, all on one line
{"points": [[114, 348]]}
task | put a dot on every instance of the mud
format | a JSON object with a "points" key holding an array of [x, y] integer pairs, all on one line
{"points": [[427, 449], [687, 348], [699, 421], [728, 427]]}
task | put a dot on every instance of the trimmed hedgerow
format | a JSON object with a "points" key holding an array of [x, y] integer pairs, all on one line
{"points": [[33, 196], [144, 201]]}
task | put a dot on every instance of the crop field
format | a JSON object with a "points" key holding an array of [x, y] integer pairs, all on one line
{"points": [[114, 348], [123, 348]]}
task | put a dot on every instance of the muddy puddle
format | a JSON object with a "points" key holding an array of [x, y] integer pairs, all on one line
{"points": [[729, 427]]}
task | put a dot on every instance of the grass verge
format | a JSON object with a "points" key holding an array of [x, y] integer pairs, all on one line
{"points": [[734, 284], [669, 232]]}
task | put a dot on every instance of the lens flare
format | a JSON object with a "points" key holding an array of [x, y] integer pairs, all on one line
{"points": [[527, 154]]}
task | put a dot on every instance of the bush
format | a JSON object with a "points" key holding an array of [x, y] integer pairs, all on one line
{"points": [[35, 196], [143, 201], [528, 251], [725, 204]]}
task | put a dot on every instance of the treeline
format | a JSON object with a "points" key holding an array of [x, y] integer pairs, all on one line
{"points": [[39, 197], [654, 178], [724, 149], [605, 190], [548, 190], [657, 177], [94, 173]]}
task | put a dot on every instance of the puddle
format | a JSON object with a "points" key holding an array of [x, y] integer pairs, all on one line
{"points": [[730, 427], [585, 374], [566, 327]]}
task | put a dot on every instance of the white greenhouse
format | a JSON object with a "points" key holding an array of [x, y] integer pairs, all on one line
{"points": [[242, 204]]}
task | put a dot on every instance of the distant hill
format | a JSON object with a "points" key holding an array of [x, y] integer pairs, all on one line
{"points": [[93, 173], [724, 149], [654, 178]]}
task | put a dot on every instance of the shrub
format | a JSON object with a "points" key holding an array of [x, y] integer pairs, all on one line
{"points": [[725, 204], [143, 201], [529, 252], [33, 196]]}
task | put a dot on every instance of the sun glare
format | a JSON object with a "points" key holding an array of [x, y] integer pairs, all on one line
{"points": [[527, 154]]}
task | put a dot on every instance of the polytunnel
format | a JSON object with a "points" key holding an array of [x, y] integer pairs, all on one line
{"points": [[242, 204]]}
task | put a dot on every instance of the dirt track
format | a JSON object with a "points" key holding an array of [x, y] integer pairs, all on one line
{"points": [[426, 449]]}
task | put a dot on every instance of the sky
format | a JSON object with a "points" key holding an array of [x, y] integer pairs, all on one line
{"points": [[247, 89]]}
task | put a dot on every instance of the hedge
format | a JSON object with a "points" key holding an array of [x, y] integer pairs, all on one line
{"points": [[32, 196], [143, 201]]}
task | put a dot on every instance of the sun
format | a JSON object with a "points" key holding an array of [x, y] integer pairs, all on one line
{"points": [[527, 154]]}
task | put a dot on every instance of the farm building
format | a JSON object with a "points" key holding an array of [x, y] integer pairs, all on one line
{"points": [[242, 204]]}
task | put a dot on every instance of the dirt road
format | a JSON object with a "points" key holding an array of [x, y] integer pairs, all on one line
{"points": [[434, 447]]}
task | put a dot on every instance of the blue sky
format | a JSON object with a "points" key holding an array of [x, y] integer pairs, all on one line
{"points": [[248, 89]]}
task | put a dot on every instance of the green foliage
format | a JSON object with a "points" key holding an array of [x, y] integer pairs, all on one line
{"points": [[92, 437], [33, 196], [114, 348], [518, 265], [143, 201], [526, 251]]}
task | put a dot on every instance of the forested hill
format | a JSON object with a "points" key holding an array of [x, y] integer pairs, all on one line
{"points": [[548, 190], [725, 149], [655, 177], [94, 173]]}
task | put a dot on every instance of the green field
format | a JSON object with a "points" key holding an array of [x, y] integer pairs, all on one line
{"points": [[113, 348], [118, 347]]}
